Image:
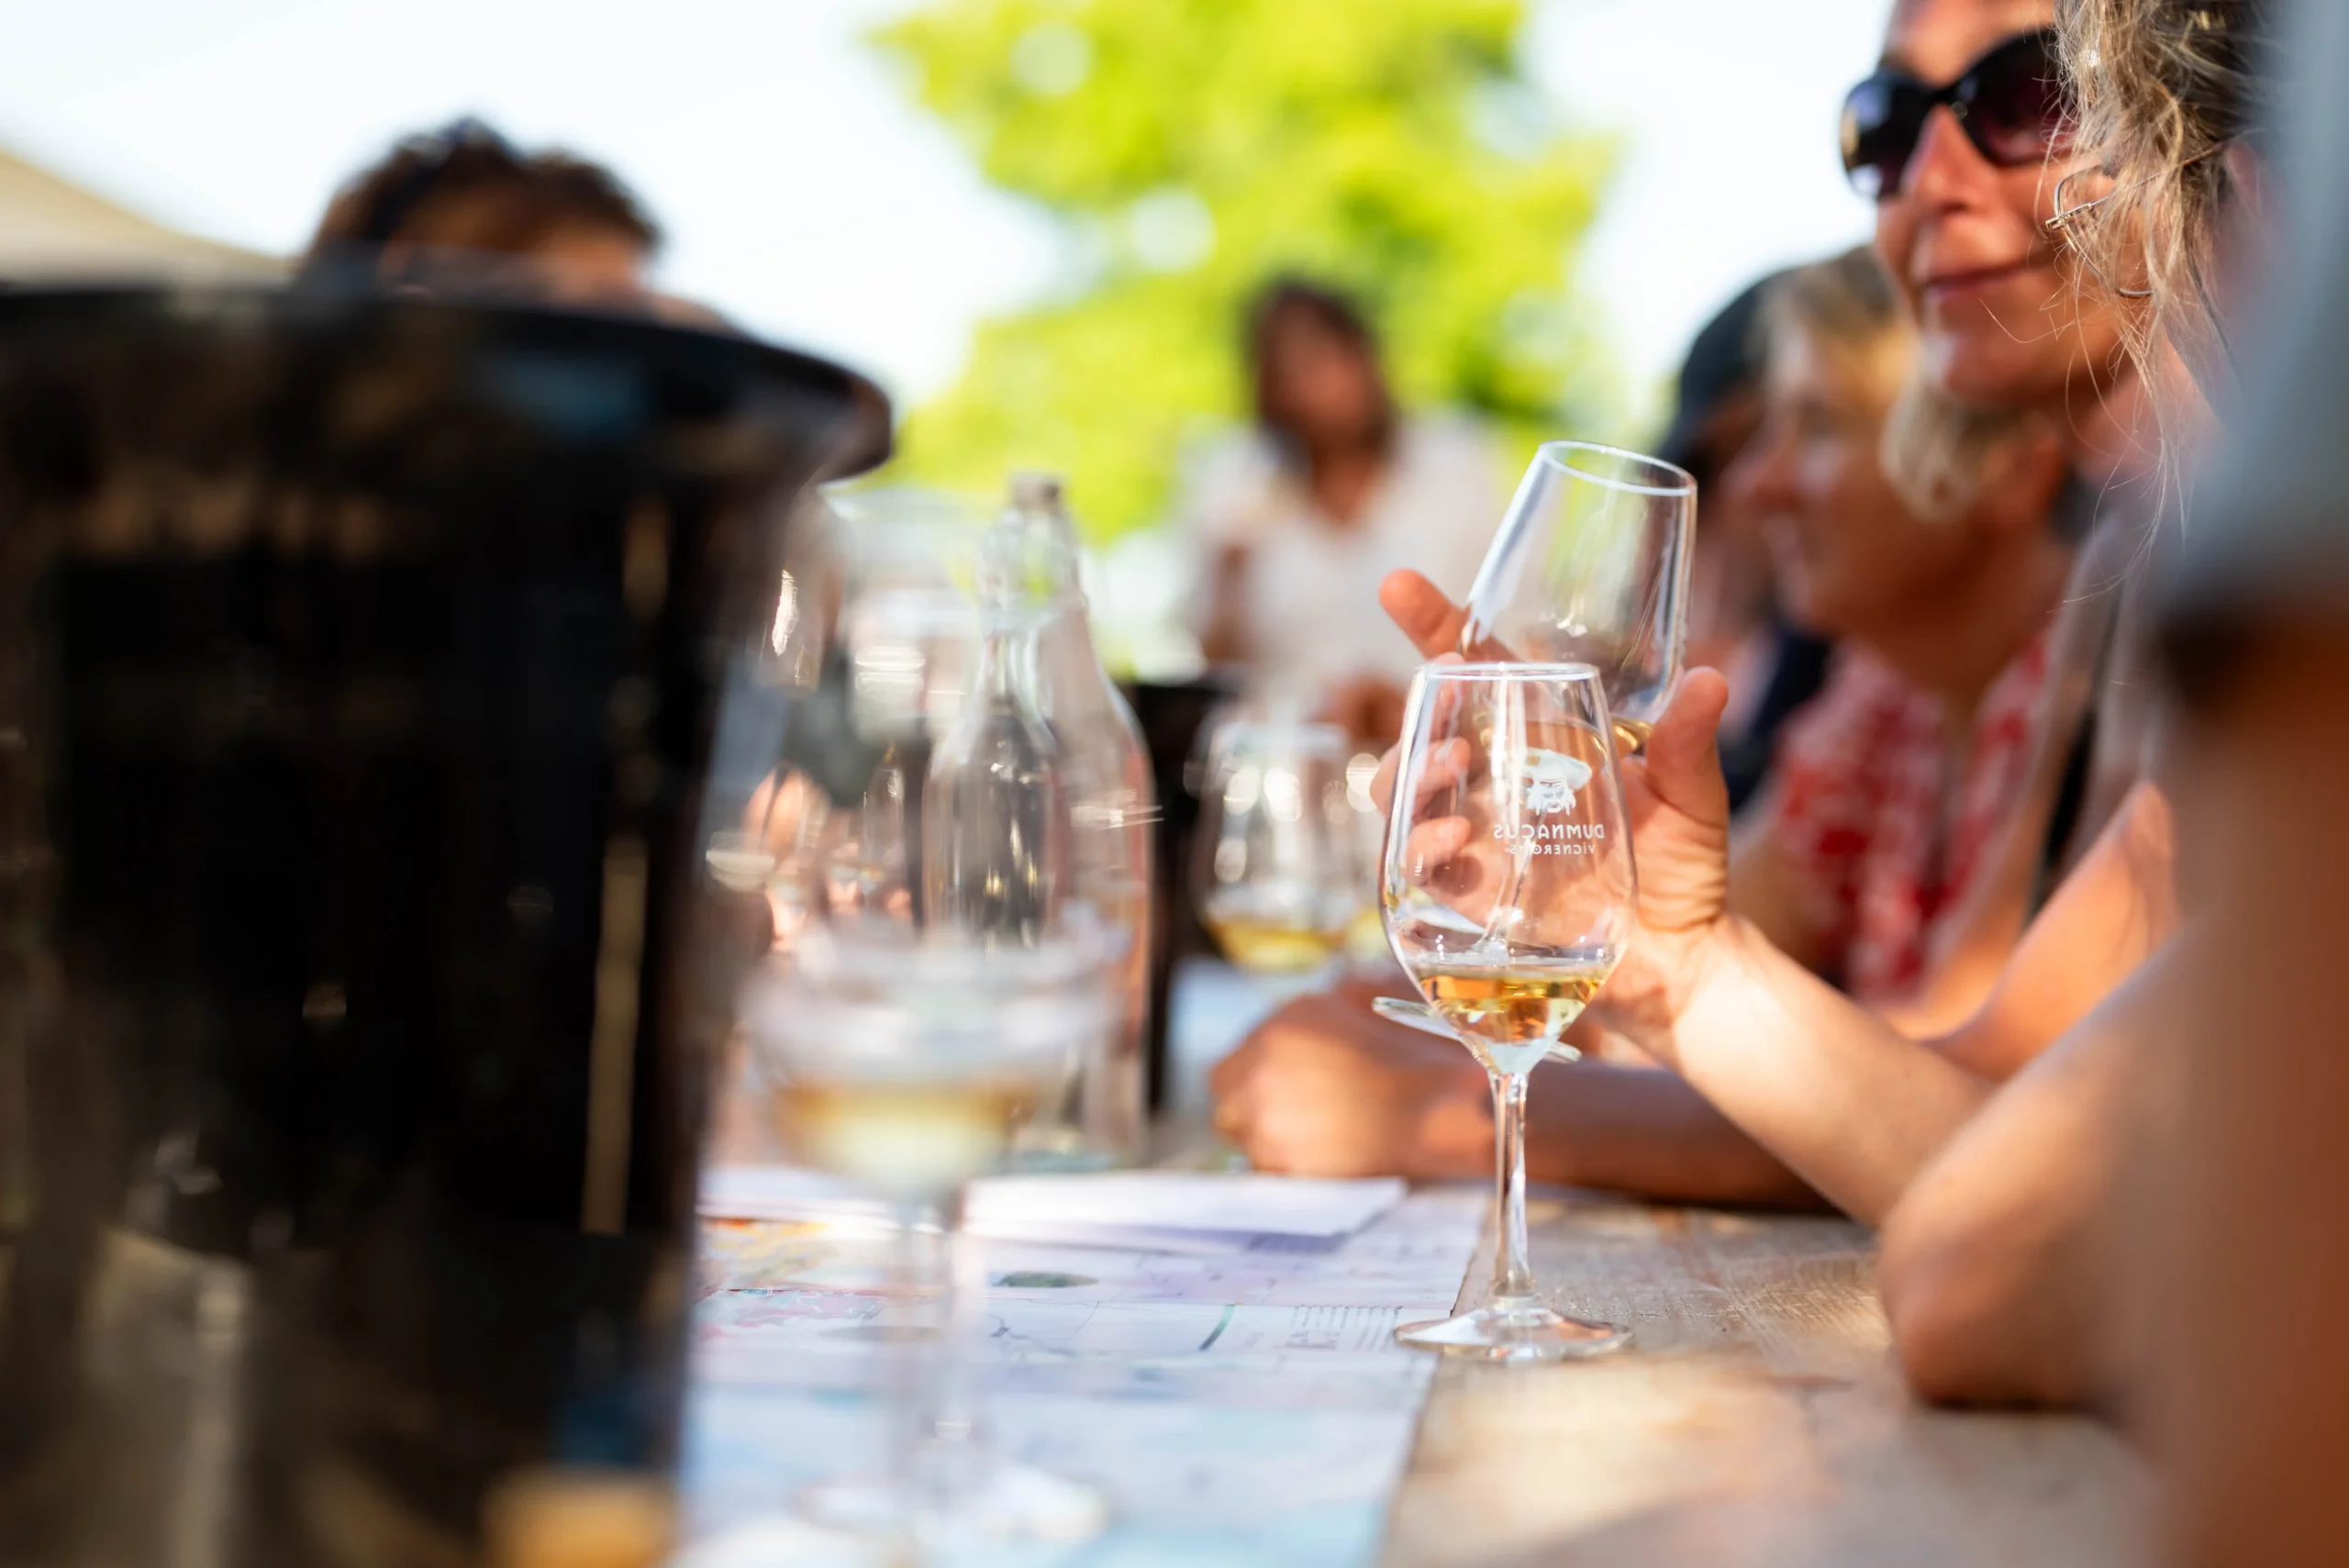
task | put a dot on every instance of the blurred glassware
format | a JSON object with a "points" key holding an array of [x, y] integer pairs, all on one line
{"points": [[1366, 935], [1031, 557], [908, 1062], [1591, 566], [869, 653], [994, 816], [1276, 862]]}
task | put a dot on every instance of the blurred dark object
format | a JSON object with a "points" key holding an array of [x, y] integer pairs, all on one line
{"points": [[1724, 365], [1717, 407], [1796, 671], [362, 664], [1171, 717]]}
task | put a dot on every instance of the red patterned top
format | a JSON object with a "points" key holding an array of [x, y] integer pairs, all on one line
{"points": [[1863, 809]]}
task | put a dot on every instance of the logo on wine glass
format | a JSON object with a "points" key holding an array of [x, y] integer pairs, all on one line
{"points": [[1551, 780]]}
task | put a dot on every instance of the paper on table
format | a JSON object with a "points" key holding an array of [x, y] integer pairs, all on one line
{"points": [[1172, 1211], [1248, 1411]]}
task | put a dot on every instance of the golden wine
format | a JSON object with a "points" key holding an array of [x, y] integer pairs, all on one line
{"points": [[906, 1137], [1275, 946], [1365, 939], [1509, 1014]]}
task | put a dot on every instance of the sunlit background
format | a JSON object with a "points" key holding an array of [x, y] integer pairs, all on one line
{"points": [[1032, 220]]}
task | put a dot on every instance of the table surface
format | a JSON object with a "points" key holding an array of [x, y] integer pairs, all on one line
{"points": [[1758, 1420]]}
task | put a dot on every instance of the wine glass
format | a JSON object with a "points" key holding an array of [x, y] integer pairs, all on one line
{"points": [[867, 657], [907, 1061], [1590, 564], [1509, 891], [1276, 869]]}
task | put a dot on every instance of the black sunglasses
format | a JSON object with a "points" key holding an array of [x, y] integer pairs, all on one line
{"points": [[2009, 102]]}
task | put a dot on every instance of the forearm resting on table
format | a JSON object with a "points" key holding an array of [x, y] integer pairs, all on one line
{"points": [[1645, 1131], [1854, 1107], [1995, 1266]]}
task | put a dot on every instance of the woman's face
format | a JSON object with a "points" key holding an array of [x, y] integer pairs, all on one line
{"points": [[1322, 379], [1850, 558], [2003, 320]]}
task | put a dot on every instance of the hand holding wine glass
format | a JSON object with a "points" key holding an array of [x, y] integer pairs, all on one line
{"points": [[1679, 809]]}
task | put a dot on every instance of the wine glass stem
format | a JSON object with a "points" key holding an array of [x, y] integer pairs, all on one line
{"points": [[1512, 1281], [954, 1417]]}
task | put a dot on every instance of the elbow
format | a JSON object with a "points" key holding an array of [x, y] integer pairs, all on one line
{"points": [[1965, 1329]]}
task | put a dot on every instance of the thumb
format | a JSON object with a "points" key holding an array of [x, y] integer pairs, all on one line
{"points": [[1681, 758], [1421, 613]]}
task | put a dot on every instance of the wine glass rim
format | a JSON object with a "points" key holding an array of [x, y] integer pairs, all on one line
{"points": [[1561, 454], [1528, 670]]}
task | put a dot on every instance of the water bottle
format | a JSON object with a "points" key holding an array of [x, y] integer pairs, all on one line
{"points": [[995, 816], [1031, 554]]}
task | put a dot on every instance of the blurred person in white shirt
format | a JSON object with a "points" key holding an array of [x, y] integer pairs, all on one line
{"points": [[1298, 520]]}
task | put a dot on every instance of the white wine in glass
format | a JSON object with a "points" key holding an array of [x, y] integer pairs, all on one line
{"points": [[1277, 875], [1591, 566], [1509, 890], [908, 1063], [1511, 1013]]}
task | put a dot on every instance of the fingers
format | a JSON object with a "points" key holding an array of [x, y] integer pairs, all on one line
{"points": [[1682, 761], [1433, 844], [1433, 623], [1447, 763], [1421, 613]]}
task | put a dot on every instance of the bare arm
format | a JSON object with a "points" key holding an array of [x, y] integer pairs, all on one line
{"points": [[1326, 1088], [1996, 1265]]}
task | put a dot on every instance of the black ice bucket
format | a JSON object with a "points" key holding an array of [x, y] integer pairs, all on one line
{"points": [[362, 664]]}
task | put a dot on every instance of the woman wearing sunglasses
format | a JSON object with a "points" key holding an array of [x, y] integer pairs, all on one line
{"points": [[1959, 140]]}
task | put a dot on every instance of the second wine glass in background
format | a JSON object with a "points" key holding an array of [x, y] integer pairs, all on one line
{"points": [[1590, 564], [1277, 864]]}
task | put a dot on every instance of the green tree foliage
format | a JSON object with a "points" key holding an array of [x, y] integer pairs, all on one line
{"points": [[1189, 149]]}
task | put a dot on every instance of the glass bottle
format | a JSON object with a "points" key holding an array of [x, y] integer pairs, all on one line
{"points": [[1031, 553], [993, 812]]}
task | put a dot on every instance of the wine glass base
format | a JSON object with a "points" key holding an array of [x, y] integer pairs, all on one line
{"points": [[1519, 1333], [1009, 1504]]}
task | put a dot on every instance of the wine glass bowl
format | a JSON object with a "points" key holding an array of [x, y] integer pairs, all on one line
{"points": [[1509, 892], [1278, 869], [908, 1062], [1591, 566]]}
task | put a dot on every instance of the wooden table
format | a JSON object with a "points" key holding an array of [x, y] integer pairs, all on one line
{"points": [[1758, 1420]]}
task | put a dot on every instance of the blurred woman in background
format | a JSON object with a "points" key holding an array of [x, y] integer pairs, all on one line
{"points": [[1890, 786], [1335, 487]]}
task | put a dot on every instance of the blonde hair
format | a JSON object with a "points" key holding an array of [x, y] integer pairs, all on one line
{"points": [[1937, 453], [2161, 88]]}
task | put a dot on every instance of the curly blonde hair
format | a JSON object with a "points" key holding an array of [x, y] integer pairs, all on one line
{"points": [[2162, 89]]}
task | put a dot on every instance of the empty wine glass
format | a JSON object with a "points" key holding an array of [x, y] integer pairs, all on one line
{"points": [[1509, 891], [1277, 872], [1591, 566]]}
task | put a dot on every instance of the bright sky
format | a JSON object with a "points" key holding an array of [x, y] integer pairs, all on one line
{"points": [[805, 196]]}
